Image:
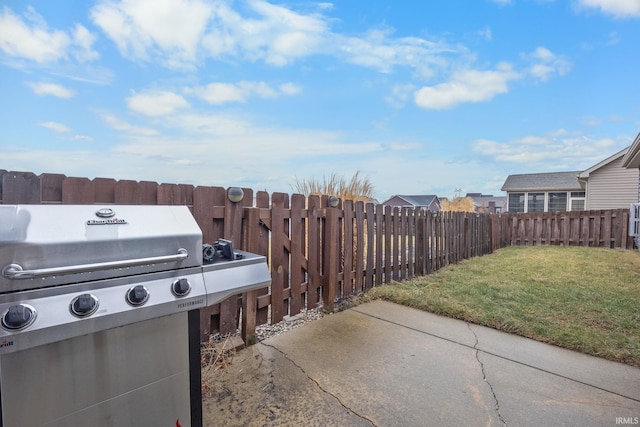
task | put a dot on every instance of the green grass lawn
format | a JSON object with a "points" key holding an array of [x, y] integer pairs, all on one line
{"points": [[584, 299]]}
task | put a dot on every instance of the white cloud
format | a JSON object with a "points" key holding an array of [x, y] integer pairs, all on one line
{"points": [[63, 129], [466, 86], [227, 137], [470, 85], [31, 39], [546, 152], [616, 8], [83, 41], [59, 91], [399, 95], [377, 49], [58, 127], [545, 64], [218, 93], [277, 35], [145, 30], [156, 103], [290, 89], [123, 126], [264, 32], [486, 33], [84, 138], [170, 29]]}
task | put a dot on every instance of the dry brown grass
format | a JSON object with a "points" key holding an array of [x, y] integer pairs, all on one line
{"points": [[357, 188]]}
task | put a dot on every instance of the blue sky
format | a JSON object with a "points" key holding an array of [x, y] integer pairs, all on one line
{"points": [[422, 97]]}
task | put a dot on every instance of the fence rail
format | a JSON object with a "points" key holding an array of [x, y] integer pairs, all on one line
{"points": [[318, 253]]}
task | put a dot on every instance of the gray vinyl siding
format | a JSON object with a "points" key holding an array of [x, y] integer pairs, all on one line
{"points": [[612, 187]]}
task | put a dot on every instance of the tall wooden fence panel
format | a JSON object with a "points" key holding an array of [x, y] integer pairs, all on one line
{"points": [[599, 228], [318, 253]]}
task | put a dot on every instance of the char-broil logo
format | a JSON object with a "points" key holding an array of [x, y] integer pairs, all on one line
{"points": [[108, 216], [6, 343]]}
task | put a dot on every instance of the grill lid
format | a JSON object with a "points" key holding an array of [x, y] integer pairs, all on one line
{"points": [[51, 245]]}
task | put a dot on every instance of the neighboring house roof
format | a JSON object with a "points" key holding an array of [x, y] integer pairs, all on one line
{"points": [[419, 200], [585, 174], [632, 158], [542, 181]]}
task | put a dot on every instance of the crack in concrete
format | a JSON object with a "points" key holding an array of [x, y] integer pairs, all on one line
{"points": [[484, 375], [286, 356]]}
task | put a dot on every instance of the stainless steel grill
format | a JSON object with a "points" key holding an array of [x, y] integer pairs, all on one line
{"points": [[99, 313]]}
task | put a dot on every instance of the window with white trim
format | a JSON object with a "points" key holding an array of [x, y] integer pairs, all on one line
{"points": [[557, 202], [535, 202], [516, 202], [577, 201]]}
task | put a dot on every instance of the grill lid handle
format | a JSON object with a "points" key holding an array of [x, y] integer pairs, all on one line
{"points": [[16, 272]]}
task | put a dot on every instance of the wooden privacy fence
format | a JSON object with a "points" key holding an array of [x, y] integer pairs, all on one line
{"points": [[319, 253], [602, 228]]}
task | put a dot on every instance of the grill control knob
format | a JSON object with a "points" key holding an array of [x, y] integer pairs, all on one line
{"points": [[84, 305], [137, 295], [18, 316], [180, 287]]}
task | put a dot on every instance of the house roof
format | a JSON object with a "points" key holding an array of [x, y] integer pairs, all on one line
{"points": [[632, 158], [543, 181], [417, 200], [585, 174]]}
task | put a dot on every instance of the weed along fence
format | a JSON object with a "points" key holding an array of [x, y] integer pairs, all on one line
{"points": [[318, 253]]}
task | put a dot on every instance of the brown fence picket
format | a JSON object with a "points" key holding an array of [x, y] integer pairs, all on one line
{"points": [[298, 254], [387, 227], [360, 251], [314, 254], [173, 194], [77, 191], [260, 244], [129, 192], [51, 188], [21, 188], [348, 246], [252, 230], [104, 190], [395, 242], [330, 258], [379, 251], [410, 230], [279, 255], [370, 269]]}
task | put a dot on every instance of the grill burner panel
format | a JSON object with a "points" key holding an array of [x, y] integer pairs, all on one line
{"points": [[56, 319]]}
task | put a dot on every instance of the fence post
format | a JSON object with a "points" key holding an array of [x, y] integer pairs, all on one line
{"points": [[250, 299], [420, 243], [331, 258], [279, 256]]}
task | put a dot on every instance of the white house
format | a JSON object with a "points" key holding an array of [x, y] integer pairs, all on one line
{"points": [[609, 185]]}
